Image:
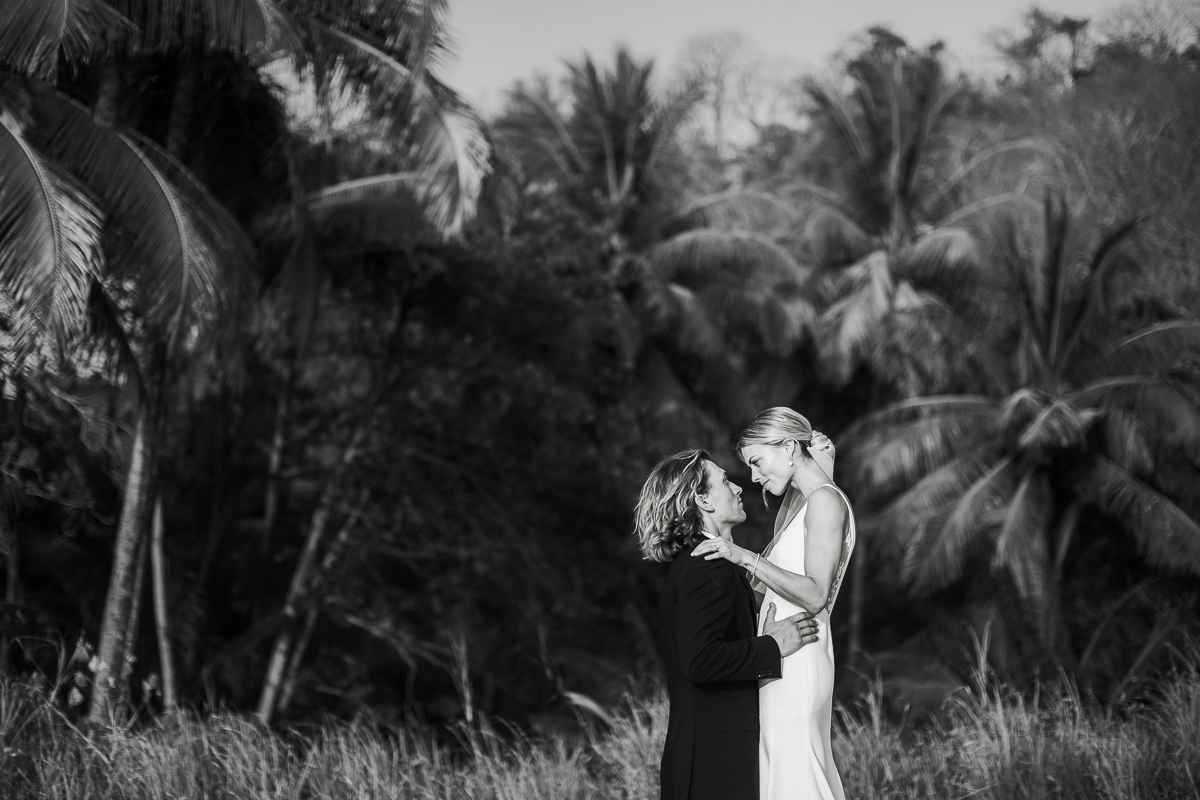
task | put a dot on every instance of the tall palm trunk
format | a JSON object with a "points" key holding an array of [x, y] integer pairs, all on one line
{"points": [[158, 561], [119, 602], [135, 616]]}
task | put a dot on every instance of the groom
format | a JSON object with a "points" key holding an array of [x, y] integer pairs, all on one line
{"points": [[707, 638]]}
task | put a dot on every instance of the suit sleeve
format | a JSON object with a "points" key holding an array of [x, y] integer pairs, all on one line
{"points": [[707, 597]]}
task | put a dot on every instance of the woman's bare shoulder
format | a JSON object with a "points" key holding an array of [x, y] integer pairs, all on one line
{"points": [[826, 503]]}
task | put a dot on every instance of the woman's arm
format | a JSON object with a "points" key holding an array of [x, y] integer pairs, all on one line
{"points": [[825, 520]]}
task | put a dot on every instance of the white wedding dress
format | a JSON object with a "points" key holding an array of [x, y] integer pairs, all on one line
{"points": [[795, 757]]}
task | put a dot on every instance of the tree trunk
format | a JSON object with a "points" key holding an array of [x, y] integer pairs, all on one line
{"points": [[336, 547], [158, 561], [293, 667], [183, 104], [135, 616], [283, 642], [119, 603], [300, 577]]}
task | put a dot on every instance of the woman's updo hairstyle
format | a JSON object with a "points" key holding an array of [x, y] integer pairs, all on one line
{"points": [[666, 518], [776, 427]]}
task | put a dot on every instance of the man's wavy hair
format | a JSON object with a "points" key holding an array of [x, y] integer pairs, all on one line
{"points": [[666, 518]]}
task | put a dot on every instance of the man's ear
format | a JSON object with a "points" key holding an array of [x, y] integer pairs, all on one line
{"points": [[703, 502]]}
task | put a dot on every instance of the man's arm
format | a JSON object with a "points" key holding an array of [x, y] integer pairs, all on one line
{"points": [[705, 603]]}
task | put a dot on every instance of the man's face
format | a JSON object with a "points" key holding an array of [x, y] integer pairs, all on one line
{"points": [[724, 497]]}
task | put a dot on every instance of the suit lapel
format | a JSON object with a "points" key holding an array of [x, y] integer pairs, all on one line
{"points": [[747, 592]]}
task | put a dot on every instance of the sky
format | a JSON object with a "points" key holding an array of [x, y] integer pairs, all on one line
{"points": [[499, 41]]}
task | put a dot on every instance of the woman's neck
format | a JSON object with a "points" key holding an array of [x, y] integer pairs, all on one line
{"points": [[808, 477]]}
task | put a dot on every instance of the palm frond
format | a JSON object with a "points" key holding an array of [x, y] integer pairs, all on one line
{"points": [[1157, 403], [746, 280], [935, 561], [1021, 540], [834, 239], [666, 118], [1032, 145], [912, 515], [844, 334], [447, 142], [1167, 536], [916, 408], [736, 209], [1127, 442], [36, 32], [681, 327], [165, 237], [1092, 318], [831, 102], [883, 459], [803, 188], [746, 255], [534, 130], [848, 329], [258, 28], [946, 260], [110, 336], [675, 313], [355, 216], [983, 204], [1057, 426], [1154, 348], [49, 242]]}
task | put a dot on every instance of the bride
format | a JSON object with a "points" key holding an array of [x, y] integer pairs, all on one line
{"points": [[801, 571]]}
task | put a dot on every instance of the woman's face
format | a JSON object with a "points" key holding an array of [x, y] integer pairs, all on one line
{"points": [[769, 466]]}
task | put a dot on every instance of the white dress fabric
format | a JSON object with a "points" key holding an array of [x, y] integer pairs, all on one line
{"points": [[795, 756]]}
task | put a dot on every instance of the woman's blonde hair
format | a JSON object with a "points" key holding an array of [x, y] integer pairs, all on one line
{"points": [[666, 518], [776, 426]]}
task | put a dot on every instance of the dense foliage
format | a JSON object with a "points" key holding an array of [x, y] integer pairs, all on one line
{"points": [[321, 394]]}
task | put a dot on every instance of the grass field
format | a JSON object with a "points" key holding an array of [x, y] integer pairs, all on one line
{"points": [[985, 747]]}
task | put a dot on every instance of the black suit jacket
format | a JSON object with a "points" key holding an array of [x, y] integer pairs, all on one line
{"points": [[713, 663]]}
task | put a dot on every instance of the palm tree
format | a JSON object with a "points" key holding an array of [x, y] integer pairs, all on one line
{"points": [[896, 271], [1086, 414], [691, 272], [161, 284], [146, 282], [892, 256]]}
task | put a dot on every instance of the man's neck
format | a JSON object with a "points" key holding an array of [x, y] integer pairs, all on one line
{"points": [[723, 531]]}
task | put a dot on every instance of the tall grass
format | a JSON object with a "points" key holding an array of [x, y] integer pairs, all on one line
{"points": [[987, 746]]}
